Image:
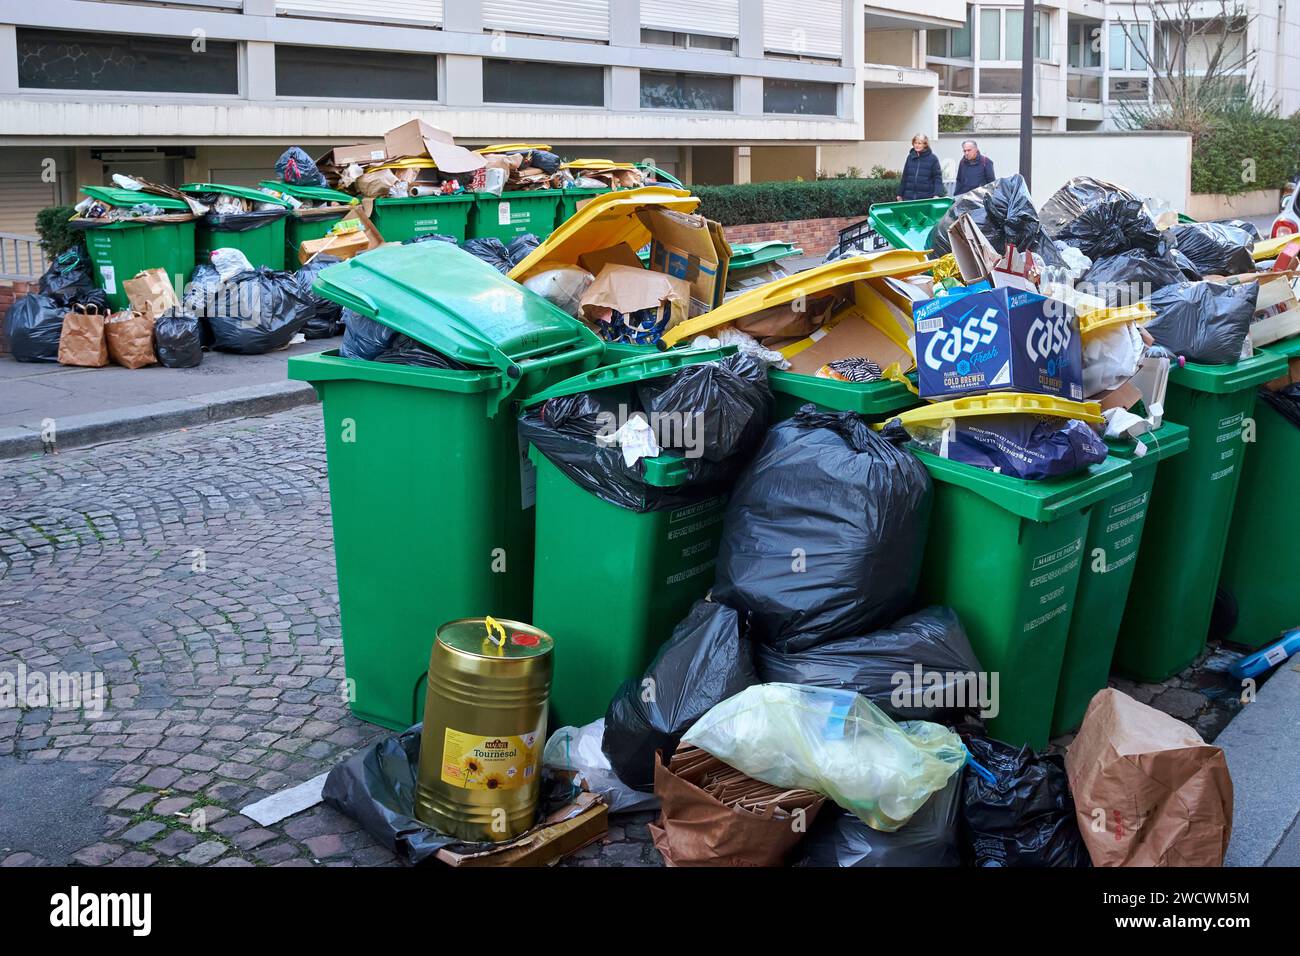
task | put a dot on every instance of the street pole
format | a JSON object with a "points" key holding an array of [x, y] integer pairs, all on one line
{"points": [[1027, 96]]}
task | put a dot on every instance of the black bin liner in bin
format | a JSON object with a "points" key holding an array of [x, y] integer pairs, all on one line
{"points": [[407, 351], [1203, 321], [729, 401], [1024, 815], [363, 337], [932, 837], [324, 317], [1286, 402], [706, 660], [825, 531], [932, 639]]}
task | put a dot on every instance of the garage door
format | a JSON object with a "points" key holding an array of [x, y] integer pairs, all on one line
{"points": [[21, 197]]}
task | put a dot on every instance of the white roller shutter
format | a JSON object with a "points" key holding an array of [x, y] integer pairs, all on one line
{"points": [[22, 196], [425, 12], [714, 17], [587, 19], [806, 27]]}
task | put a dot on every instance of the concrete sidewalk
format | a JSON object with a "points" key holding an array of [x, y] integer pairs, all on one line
{"points": [[91, 405], [1262, 745]]}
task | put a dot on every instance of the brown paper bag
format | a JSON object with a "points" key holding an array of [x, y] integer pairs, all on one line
{"points": [[151, 292], [1148, 791], [697, 829], [82, 340], [130, 339]]}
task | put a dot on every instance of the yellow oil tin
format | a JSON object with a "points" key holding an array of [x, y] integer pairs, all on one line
{"points": [[484, 729]]}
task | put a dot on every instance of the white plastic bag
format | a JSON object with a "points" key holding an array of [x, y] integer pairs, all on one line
{"points": [[834, 742], [578, 750], [563, 286], [229, 262], [1111, 357]]}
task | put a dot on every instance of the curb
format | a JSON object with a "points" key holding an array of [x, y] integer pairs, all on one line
{"points": [[78, 431]]}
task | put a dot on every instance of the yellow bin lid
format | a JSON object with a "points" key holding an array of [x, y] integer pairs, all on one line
{"points": [[1098, 320], [605, 220], [411, 162], [511, 147], [595, 164], [999, 403], [876, 265]]}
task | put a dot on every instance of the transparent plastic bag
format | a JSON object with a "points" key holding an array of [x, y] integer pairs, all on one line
{"points": [[563, 286], [834, 742]]}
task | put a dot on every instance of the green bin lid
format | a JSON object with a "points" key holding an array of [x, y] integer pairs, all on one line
{"points": [[908, 224], [1161, 443], [747, 255], [1222, 379], [456, 304], [243, 192], [125, 198], [1289, 348], [639, 368], [1044, 500], [314, 193]]}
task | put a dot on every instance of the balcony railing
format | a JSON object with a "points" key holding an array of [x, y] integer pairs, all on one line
{"points": [[21, 257], [1082, 87]]}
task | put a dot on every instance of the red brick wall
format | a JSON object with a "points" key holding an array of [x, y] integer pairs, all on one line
{"points": [[9, 291], [814, 236]]}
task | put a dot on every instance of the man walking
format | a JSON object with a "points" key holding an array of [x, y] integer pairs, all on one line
{"points": [[974, 169]]}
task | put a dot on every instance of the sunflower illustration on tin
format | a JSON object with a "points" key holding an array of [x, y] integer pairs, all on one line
{"points": [[472, 767], [492, 781]]}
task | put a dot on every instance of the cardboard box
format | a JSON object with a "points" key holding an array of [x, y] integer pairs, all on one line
{"points": [[358, 239], [849, 335], [974, 253], [629, 289], [690, 248], [997, 340], [566, 831], [362, 153], [620, 255], [417, 138]]}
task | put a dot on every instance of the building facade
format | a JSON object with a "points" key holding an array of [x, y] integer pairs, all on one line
{"points": [[713, 91]]}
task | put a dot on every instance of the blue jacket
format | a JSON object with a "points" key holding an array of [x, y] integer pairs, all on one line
{"points": [[972, 175], [922, 176]]}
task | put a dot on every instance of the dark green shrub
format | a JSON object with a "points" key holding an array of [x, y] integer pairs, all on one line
{"points": [[747, 203], [56, 235]]}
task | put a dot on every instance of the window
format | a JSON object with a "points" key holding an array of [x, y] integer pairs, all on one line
{"points": [[1129, 87], [354, 74], [1085, 45], [1127, 43], [999, 82], [65, 60], [951, 44], [990, 34], [543, 84], [686, 91], [954, 79], [1002, 34], [800, 96], [689, 41]]}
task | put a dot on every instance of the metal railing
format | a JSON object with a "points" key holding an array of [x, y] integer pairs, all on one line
{"points": [[21, 257]]}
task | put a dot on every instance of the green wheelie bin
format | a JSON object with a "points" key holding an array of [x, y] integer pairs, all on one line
{"points": [[119, 250], [1110, 556], [1257, 579], [611, 583], [258, 234], [513, 214], [425, 465], [1171, 597], [400, 218], [908, 224], [571, 198], [1005, 554], [308, 222]]}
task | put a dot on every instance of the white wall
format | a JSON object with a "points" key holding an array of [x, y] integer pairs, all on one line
{"points": [[1153, 164]]}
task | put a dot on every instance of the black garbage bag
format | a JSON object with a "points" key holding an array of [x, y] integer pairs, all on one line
{"points": [[1076, 197], [521, 247], [1215, 248], [492, 251], [324, 317], [932, 837], [1246, 226], [200, 299], [1185, 266], [1111, 226], [178, 339], [706, 661], [407, 351], [364, 338], [969, 203], [1028, 447], [1286, 402], [544, 160], [70, 280], [928, 646], [243, 221], [431, 237], [1021, 813], [824, 532], [1129, 277], [33, 325], [258, 311], [1203, 321], [296, 167], [722, 407], [1004, 211]]}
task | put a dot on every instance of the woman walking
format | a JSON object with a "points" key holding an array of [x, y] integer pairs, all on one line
{"points": [[922, 175]]}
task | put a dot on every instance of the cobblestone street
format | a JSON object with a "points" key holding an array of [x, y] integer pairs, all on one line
{"points": [[195, 571]]}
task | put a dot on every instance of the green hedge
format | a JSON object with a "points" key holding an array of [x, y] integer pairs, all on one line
{"points": [[56, 235], [1238, 156], [748, 203]]}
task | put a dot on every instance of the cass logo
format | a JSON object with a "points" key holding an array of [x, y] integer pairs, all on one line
{"points": [[1047, 336], [968, 334]]}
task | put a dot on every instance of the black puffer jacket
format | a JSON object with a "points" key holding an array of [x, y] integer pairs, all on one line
{"points": [[922, 176]]}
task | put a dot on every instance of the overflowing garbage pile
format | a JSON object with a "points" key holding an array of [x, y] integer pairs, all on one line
{"points": [[877, 450]]}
